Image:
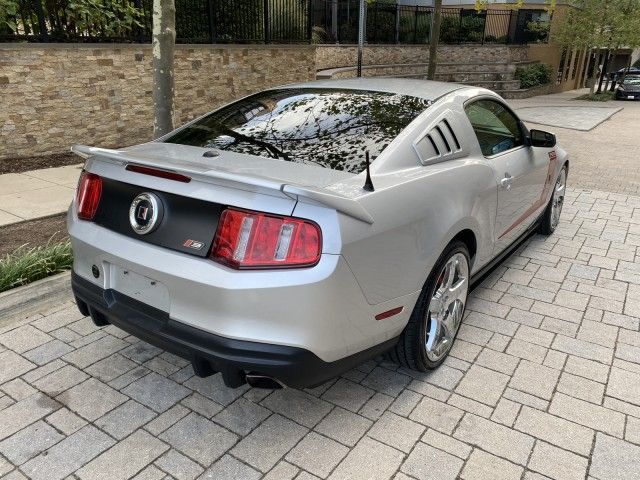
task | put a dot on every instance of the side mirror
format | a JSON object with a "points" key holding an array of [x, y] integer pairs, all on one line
{"points": [[540, 138]]}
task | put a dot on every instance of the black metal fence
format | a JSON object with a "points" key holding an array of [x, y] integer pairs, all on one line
{"points": [[197, 21], [265, 21], [337, 21]]}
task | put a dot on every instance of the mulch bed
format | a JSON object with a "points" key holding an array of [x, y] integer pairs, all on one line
{"points": [[18, 165], [33, 232]]}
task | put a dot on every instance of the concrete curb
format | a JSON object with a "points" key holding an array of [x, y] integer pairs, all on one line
{"points": [[35, 296]]}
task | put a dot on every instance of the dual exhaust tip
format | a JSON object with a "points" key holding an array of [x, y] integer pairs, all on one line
{"points": [[234, 378], [261, 381]]}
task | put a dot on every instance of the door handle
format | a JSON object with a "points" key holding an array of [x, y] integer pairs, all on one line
{"points": [[506, 181]]}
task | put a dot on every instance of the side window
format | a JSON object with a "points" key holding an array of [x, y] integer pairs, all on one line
{"points": [[496, 127]]}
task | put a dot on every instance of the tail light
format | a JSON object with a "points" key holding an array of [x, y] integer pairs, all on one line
{"points": [[247, 240], [88, 195]]}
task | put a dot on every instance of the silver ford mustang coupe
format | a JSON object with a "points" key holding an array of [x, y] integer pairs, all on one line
{"points": [[290, 235]]}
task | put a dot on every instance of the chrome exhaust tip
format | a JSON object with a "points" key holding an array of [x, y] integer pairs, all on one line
{"points": [[261, 381]]}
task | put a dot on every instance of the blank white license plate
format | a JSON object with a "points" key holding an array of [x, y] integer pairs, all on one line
{"points": [[630, 97], [139, 287]]}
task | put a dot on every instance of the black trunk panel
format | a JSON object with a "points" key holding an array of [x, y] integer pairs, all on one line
{"points": [[183, 218]]}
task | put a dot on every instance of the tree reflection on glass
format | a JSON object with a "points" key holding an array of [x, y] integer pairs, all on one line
{"points": [[326, 127]]}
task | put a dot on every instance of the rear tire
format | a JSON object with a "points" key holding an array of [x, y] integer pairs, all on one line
{"points": [[429, 335], [551, 216]]}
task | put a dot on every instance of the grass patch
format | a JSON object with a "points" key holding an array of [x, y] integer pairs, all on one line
{"points": [[597, 97], [25, 265]]}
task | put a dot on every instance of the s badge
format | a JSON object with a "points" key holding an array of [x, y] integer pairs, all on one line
{"points": [[145, 213]]}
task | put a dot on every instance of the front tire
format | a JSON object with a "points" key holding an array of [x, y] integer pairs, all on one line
{"points": [[551, 216], [429, 335]]}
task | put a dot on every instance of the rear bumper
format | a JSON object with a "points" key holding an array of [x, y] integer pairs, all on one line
{"points": [[627, 95], [210, 353], [320, 309]]}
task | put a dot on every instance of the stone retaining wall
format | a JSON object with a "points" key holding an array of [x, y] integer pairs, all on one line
{"points": [[57, 95]]}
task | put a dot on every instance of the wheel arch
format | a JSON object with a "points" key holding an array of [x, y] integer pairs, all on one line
{"points": [[476, 238], [468, 237]]}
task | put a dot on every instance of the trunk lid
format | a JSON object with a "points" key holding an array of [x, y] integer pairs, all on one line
{"points": [[189, 159], [191, 210], [279, 178]]}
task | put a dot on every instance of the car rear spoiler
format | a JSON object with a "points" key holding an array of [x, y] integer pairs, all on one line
{"points": [[348, 206]]}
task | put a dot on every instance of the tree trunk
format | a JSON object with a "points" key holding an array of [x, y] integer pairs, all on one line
{"points": [[435, 38], [605, 66], [582, 59], [608, 79], [625, 72], [566, 70], [164, 39], [596, 68], [613, 78]]}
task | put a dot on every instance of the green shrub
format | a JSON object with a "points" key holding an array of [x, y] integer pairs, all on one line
{"points": [[494, 39], [26, 265], [66, 19], [468, 29], [534, 75], [8, 12], [449, 30], [537, 31]]}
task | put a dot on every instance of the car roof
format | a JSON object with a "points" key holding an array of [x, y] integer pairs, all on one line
{"points": [[427, 89]]}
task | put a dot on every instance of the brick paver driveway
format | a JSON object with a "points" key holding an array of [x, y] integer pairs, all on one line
{"points": [[543, 381]]}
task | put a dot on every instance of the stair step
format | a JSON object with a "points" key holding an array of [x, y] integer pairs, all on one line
{"points": [[497, 85], [417, 68], [464, 77], [501, 67]]}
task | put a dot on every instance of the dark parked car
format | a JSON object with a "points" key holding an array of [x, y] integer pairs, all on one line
{"points": [[618, 74], [629, 89]]}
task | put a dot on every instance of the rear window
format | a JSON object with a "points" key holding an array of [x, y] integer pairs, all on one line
{"points": [[326, 127]]}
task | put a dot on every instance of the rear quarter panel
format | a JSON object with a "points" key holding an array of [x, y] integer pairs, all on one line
{"points": [[417, 212]]}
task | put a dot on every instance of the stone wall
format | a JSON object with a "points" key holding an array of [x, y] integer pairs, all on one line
{"points": [[57, 95], [332, 56]]}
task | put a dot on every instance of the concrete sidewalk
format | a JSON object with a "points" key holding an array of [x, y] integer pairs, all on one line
{"points": [[37, 193]]}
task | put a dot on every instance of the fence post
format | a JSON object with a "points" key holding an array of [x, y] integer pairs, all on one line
{"points": [[460, 27], [310, 21], [138, 6], [396, 36], [212, 21], [42, 23], [415, 26], [397, 32], [484, 26], [362, 32], [334, 19], [511, 34], [267, 27]]}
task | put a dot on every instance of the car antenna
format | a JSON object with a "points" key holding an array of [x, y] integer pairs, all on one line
{"points": [[368, 184]]}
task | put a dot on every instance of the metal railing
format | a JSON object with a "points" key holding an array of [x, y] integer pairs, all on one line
{"points": [[266, 21]]}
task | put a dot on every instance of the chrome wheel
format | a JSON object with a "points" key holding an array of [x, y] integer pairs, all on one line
{"points": [[446, 307], [558, 198]]}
